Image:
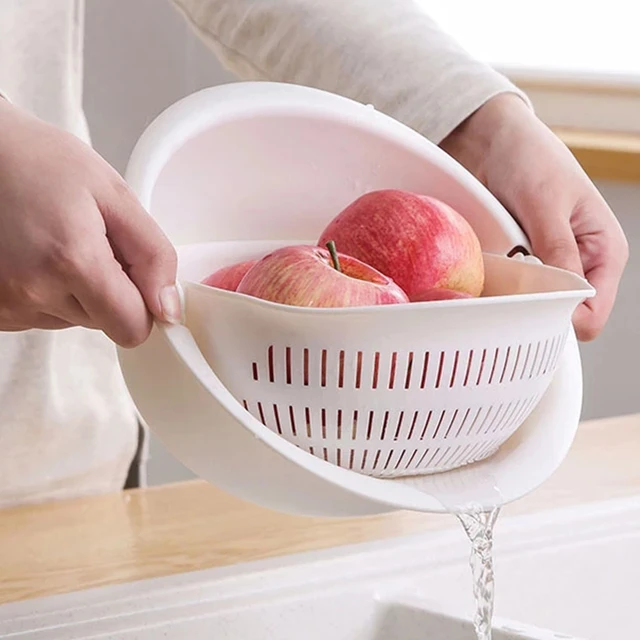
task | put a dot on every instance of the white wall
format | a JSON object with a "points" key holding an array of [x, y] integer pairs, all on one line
{"points": [[141, 57]]}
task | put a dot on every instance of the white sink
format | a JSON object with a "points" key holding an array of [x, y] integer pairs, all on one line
{"points": [[567, 574]]}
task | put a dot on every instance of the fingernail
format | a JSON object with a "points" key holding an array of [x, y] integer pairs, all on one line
{"points": [[170, 304]]}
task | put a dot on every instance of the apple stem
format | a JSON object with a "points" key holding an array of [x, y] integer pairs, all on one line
{"points": [[331, 245]]}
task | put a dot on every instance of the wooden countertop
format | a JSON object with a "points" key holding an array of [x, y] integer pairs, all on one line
{"points": [[71, 545]]}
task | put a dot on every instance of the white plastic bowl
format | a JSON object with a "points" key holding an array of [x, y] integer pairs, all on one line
{"points": [[230, 164]]}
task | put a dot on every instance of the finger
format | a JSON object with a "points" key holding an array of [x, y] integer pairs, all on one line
{"points": [[590, 317], [604, 276], [46, 321], [71, 311], [40, 304], [38, 321], [554, 243], [146, 254], [109, 298]]}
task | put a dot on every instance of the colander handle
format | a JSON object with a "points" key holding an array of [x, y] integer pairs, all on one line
{"points": [[522, 253]]}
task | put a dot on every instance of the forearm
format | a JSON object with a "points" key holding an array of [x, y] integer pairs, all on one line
{"points": [[389, 54]]}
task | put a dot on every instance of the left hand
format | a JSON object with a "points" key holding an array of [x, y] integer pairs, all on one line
{"points": [[535, 176]]}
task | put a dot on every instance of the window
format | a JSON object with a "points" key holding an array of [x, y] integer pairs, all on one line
{"points": [[578, 61]]}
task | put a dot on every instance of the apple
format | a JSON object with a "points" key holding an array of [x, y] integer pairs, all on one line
{"points": [[229, 277], [311, 276], [439, 294], [418, 241]]}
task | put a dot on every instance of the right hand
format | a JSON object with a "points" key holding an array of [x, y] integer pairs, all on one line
{"points": [[531, 171], [76, 247]]}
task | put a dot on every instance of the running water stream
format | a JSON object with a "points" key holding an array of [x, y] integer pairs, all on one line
{"points": [[478, 526], [474, 496]]}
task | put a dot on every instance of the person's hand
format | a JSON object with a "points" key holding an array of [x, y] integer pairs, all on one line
{"points": [[76, 247], [535, 176]]}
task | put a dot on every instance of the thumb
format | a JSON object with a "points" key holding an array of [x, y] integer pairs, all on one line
{"points": [[145, 253], [554, 243]]}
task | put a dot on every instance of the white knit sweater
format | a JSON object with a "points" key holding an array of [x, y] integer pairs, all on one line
{"points": [[67, 426]]}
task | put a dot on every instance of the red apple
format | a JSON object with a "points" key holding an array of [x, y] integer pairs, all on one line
{"points": [[309, 276], [418, 241], [439, 294], [229, 277]]}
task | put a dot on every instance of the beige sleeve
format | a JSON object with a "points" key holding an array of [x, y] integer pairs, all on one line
{"points": [[388, 53]]}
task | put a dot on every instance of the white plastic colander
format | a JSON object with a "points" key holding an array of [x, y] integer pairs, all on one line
{"points": [[394, 390], [325, 411]]}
